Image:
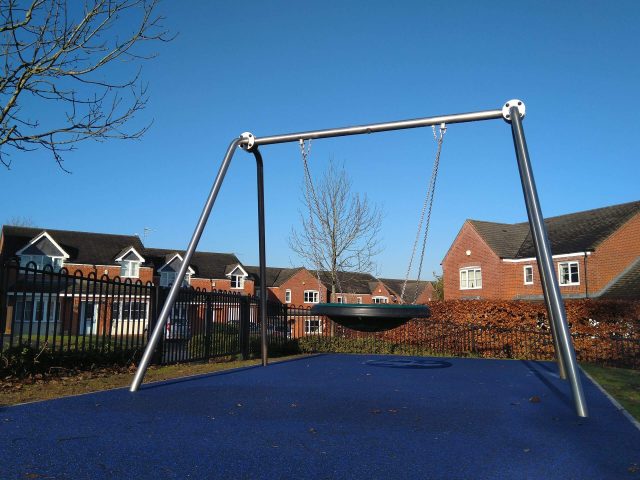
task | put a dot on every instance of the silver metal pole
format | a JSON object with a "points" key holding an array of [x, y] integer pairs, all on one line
{"points": [[557, 313], [175, 288], [380, 127]]}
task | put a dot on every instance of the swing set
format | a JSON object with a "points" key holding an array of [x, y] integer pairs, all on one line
{"points": [[382, 317]]}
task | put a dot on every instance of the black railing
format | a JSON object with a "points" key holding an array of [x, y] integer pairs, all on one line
{"points": [[64, 311], [59, 311]]}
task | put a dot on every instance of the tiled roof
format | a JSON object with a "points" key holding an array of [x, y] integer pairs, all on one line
{"points": [[574, 232], [626, 286], [276, 276], [395, 286], [205, 264], [82, 247], [348, 282]]}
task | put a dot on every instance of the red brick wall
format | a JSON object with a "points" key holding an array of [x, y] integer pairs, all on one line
{"points": [[146, 273], [298, 283], [209, 284], [614, 255], [505, 280], [481, 256]]}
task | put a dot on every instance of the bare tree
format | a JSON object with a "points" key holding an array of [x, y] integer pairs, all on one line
{"points": [[19, 221], [64, 74], [339, 230]]}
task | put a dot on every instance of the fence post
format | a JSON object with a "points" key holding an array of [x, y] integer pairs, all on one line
{"points": [[208, 320], [245, 314], [3, 304], [156, 304]]}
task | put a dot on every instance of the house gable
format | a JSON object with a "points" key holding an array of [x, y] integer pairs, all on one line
{"points": [[43, 244], [129, 254], [173, 265], [471, 251]]}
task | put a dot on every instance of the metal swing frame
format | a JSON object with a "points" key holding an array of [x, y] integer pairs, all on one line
{"points": [[512, 112]]}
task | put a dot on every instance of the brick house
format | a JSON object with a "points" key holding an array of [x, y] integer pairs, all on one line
{"points": [[596, 254], [92, 254], [207, 270]]}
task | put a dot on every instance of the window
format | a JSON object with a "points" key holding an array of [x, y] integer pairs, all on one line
{"points": [[528, 275], [568, 273], [287, 296], [339, 300], [40, 261], [312, 326], [130, 268], [37, 310], [380, 299], [359, 300], [237, 281], [128, 311], [168, 278], [311, 296], [470, 278]]}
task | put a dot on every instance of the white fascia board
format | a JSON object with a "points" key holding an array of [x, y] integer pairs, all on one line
{"points": [[238, 266], [533, 259], [130, 249], [190, 270], [64, 255]]}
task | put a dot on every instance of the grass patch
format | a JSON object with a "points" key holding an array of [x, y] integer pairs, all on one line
{"points": [[87, 382], [621, 383]]}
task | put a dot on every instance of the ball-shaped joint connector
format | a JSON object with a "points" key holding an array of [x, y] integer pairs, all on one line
{"points": [[506, 109], [247, 141]]}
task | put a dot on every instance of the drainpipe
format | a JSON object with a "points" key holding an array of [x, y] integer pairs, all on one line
{"points": [[586, 276]]}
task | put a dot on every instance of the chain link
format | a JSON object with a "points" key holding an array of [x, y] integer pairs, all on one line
{"points": [[426, 209]]}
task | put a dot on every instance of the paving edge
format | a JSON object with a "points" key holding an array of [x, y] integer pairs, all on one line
{"points": [[615, 403]]}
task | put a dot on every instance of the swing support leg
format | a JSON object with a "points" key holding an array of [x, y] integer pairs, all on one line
{"points": [[566, 354], [263, 258]]}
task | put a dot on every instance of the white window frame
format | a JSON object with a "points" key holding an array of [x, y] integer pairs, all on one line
{"points": [[44, 308], [168, 278], [380, 299], [237, 282], [130, 268], [339, 300], [287, 296], [464, 278], [561, 277], [312, 326], [359, 300], [41, 261], [529, 269], [311, 296]]}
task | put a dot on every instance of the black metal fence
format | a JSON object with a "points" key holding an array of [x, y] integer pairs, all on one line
{"points": [[440, 338], [61, 311], [70, 312]]}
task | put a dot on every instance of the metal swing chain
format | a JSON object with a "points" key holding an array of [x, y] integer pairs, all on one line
{"points": [[426, 208], [311, 192]]}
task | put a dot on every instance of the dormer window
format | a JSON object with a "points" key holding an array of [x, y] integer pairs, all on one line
{"points": [[169, 271], [130, 269], [41, 261], [168, 278], [130, 261], [237, 276], [42, 251], [237, 281]]}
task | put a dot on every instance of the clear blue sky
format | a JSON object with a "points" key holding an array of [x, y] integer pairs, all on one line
{"points": [[284, 66]]}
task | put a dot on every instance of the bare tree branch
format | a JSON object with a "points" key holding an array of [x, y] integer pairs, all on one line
{"points": [[339, 231], [59, 56]]}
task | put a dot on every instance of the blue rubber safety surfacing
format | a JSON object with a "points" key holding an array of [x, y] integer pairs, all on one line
{"points": [[329, 416]]}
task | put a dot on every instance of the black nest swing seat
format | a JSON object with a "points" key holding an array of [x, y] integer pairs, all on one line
{"points": [[370, 318]]}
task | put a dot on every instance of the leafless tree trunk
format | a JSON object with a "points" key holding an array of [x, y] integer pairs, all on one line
{"points": [[339, 229], [65, 75]]}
